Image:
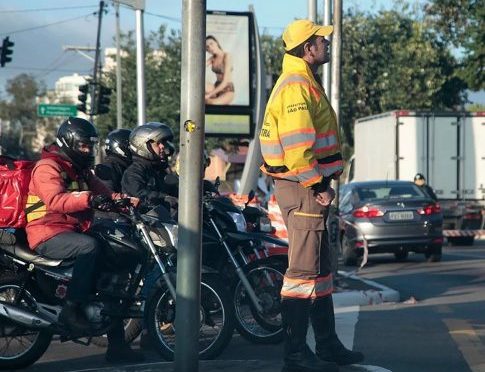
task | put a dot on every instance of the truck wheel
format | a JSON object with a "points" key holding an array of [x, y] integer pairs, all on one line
{"points": [[433, 254]]}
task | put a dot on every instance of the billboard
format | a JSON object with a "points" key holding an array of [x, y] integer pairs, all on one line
{"points": [[229, 74]]}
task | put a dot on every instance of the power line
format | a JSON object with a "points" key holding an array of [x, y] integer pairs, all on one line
{"points": [[47, 25], [46, 9], [164, 17]]}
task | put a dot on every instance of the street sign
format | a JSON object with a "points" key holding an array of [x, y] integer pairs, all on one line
{"points": [[46, 110]]}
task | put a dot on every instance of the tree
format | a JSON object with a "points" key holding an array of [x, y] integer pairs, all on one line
{"points": [[162, 81], [460, 23], [21, 115], [392, 61]]}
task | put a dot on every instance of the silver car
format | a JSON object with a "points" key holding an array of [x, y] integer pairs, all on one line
{"points": [[389, 216]]}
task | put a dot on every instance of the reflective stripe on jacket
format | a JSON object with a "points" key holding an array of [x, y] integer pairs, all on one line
{"points": [[299, 137]]}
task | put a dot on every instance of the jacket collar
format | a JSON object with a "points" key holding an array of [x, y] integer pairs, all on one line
{"points": [[292, 65]]}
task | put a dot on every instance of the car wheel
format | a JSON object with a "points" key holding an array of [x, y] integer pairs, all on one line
{"points": [[401, 255], [433, 254], [348, 253]]}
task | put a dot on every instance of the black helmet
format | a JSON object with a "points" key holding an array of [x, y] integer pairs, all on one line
{"points": [[142, 137], [77, 138], [117, 144], [419, 177]]}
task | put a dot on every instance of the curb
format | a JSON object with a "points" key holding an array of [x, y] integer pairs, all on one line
{"points": [[368, 297]]}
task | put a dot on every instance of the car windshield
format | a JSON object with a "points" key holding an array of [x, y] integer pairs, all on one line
{"points": [[385, 191]]}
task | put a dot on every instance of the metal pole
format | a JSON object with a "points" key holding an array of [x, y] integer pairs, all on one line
{"points": [[249, 178], [327, 16], [336, 57], [312, 10], [140, 67], [119, 108], [96, 59], [192, 127]]}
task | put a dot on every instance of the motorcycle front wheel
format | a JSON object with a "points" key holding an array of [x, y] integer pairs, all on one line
{"points": [[216, 319], [19, 346], [260, 327]]}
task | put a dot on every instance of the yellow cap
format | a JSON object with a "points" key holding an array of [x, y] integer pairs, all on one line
{"points": [[300, 30]]}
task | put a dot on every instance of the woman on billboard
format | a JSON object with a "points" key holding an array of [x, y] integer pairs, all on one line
{"points": [[221, 92]]}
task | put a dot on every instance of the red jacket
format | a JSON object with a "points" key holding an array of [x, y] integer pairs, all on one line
{"points": [[65, 210]]}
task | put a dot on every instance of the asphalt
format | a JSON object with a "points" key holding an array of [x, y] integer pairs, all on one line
{"points": [[350, 290]]}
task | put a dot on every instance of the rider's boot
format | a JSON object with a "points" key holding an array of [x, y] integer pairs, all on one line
{"points": [[72, 317], [118, 350], [328, 346], [298, 356]]}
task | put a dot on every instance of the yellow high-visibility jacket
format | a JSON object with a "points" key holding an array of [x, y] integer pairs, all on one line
{"points": [[299, 137]]}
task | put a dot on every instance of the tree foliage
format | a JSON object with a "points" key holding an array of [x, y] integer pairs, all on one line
{"points": [[162, 82], [392, 61], [461, 23], [19, 116]]}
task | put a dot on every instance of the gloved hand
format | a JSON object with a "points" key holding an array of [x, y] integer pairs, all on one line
{"points": [[172, 201], [101, 202]]}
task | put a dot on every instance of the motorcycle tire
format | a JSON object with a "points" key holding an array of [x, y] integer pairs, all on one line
{"points": [[133, 328], [216, 319], [9, 286], [260, 328]]}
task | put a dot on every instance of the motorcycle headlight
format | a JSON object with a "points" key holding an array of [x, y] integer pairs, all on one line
{"points": [[265, 225], [239, 220], [173, 233], [165, 236]]}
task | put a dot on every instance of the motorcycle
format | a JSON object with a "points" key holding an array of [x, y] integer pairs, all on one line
{"points": [[242, 258], [33, 288]]}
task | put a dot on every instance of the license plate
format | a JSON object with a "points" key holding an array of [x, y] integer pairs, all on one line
{"points": [[401, 216]]}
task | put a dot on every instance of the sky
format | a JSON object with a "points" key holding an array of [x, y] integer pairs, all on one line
{"points": [[41, 29]]}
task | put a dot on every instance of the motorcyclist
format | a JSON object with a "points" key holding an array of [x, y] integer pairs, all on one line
{"points": [[118, 158], [63, 192], [151, 147]]}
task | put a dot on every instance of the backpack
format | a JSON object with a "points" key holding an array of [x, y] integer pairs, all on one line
{"points": [[14, 188]]}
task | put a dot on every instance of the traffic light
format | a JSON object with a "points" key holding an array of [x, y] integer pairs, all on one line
{"points": [[6, 51], [103, 100], [84, 90]]}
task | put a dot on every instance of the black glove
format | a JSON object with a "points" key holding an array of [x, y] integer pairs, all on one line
{"points": [[101, 202], [172, 201], [321, 186]]}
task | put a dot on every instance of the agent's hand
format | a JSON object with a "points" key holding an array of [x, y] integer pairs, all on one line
{"points": [[101, 202], [326, 197]]}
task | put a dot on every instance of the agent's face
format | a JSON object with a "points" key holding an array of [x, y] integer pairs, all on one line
{"points": [[158, 148], [211, 46], [320, 49]]}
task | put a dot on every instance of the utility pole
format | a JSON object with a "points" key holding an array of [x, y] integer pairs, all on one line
{"points": [[119, 108], [96, 61], [192, 129], [312, 10], [140, 65], [327, 16], [138, 6]]}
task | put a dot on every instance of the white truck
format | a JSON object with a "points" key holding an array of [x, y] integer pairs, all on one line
{"points": [[448, 148]]}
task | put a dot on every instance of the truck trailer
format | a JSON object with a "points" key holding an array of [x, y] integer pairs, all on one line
{"points": [[448, 148]]}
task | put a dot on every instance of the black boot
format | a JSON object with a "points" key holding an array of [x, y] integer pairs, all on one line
{"points": [[73, 318], [298, 356], [118, 350], [328, 346]]}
